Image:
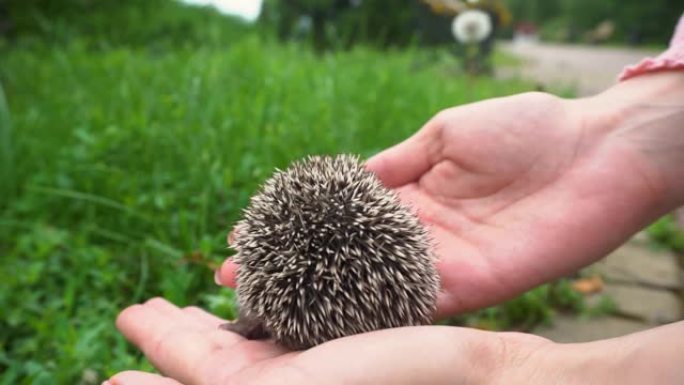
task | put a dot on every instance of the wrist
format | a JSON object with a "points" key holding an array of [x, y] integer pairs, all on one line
{"points": [[655, 355], [568, 364], [645, 117], [649, 357]]}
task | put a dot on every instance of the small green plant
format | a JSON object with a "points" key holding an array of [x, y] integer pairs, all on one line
{"points": [[531, 309], [666, 233], [603, 305]]}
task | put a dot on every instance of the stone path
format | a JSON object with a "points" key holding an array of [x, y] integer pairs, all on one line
{"points": [[645, 285], [585, 69]]}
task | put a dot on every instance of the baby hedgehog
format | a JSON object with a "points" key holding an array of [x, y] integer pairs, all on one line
{"points": [[326, 251]]}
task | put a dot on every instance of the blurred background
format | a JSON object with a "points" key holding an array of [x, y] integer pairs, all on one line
{"points": [[133, 132]]}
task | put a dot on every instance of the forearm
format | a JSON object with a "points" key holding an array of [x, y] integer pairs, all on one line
{"points": [[649, 357], [655, 356], [646, 113]]}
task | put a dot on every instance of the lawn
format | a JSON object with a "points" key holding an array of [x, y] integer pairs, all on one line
{"points": [[126, 159]]}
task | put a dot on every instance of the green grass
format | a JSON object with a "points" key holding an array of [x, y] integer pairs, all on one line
{"points": [[127, 165]]}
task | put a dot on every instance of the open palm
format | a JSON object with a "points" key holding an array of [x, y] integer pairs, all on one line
{"points": [[517, 191], [188, 347]]}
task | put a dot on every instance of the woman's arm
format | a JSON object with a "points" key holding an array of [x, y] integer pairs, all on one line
{"points": [[646, 114]]}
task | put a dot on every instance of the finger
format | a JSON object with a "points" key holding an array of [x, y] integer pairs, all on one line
{"points": [[182, 319], [147, 327], [185, 349], [164, 307], [231, 237], [138, 378], [174, 348], [205, 318], [408, 160], [142, 324], [226, 275]]}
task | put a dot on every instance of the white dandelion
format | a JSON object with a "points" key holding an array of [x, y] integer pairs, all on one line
{"points": [[471, 26]]}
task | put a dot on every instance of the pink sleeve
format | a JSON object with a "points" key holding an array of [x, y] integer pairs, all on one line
{"points": [[672, 59]]}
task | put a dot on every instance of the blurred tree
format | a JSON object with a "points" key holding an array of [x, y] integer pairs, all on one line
{"points": [[120, 22], [433, 28], [342, 23], [289, 16], [303, 17], [6, 155], [652, 22], [635, 21], [5, 20]]}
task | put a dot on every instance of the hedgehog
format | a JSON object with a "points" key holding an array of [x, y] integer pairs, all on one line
{"points": [[325, 251]]}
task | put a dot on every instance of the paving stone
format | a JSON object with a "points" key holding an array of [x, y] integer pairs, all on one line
{"points": [[636, 263], [574, 329], [651, 305], [587, 69]]}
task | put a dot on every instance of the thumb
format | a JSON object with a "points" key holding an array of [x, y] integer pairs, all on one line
{"points": [[407, 161]]}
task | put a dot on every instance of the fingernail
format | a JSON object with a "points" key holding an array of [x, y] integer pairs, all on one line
{"points": [[217, 279], [107, 383]]}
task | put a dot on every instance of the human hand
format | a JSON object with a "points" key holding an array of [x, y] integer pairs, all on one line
{"points": [[516, 191], [520, 190], [187, 346]]}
